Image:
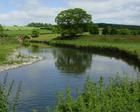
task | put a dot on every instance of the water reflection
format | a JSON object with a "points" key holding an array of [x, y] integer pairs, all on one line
{"points": [[34, 48], [72, 61]]}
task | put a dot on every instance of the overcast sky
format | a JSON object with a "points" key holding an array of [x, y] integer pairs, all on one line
{"points": [[21, 12]]}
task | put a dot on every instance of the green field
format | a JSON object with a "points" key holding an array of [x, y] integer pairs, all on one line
{"points": [[46, 37], [14, 31]]}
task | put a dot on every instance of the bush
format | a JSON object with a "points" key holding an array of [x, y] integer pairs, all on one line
{"points": [[107, 30], [35, 33], [114, 31], [124, 32], [94, 29]]}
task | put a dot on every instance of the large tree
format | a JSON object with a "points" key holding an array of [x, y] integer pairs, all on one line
{"points": [[72, 21]]}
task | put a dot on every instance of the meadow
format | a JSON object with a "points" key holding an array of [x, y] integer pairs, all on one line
{"points": [[14, 31]]}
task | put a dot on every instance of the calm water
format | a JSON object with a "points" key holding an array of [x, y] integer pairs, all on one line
{"points": [[62, 68]]}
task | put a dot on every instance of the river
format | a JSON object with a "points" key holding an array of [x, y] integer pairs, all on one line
{"points": [[62, 68]]}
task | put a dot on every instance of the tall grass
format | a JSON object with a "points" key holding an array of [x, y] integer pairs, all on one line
{"points": [[3, 100], [5, 50], [121, 95], [6, 103]]}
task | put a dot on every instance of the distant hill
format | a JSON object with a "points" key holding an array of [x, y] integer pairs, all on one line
{"points": [[119, 26]]}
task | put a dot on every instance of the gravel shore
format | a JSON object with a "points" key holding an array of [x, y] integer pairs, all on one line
{"points": [[19, 61]]}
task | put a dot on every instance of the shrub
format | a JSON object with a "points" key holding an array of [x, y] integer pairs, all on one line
{"points": [[94, 29], [35, 33]]}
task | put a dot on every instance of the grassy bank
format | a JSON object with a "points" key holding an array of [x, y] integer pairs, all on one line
{"points": [[7, 46], [5, 50], [46, 37], [129, 44]]}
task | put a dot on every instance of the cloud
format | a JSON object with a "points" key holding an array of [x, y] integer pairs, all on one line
{"points": [[29, 11], [121, 12], [110, 11]]}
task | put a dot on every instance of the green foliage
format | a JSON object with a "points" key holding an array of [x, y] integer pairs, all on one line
{"points": [[113, 31], [1, 29], [72, 21], [93, 29], [120, 95], [5, 50], [2, 32], [35, 33], [5, 96], [3, 101], [124, 32], [119, 26], [107, 30], [40, 25]]}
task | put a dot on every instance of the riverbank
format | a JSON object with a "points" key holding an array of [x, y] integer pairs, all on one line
{"points": [[5, 50], [16, 60], [127, 46]]}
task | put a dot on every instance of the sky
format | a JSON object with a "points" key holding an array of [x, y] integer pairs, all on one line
{"points": [[22, 12]]}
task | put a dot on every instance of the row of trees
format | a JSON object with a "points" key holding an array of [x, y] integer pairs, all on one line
{"points": [[123, 31], [41, 25]]}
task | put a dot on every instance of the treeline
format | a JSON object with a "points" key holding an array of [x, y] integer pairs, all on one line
{"points": [[119, 26], [41, 25], [119, 29], [107, 29]]}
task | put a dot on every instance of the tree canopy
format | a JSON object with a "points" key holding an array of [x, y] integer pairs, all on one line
{"points": [[35, 33], [72, 21]]}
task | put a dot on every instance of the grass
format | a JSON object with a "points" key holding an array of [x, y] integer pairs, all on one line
{"points": [[8, 101], [7, 46], [121, 95], [14, 31], [130, 44], [3, 100], [5, 50], [9, 43], [46, 37]]}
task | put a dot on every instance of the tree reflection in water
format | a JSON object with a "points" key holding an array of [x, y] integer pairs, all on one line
{"points": [[72, 61], [34, 48]]}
